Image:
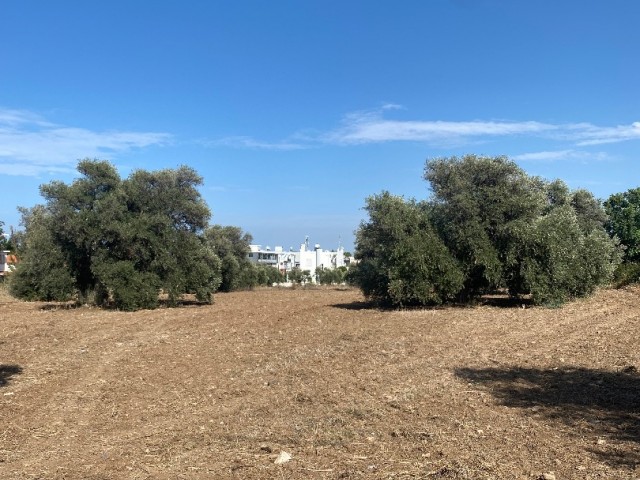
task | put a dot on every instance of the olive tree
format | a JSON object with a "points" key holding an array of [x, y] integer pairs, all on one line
{"points": [[298, 276], [42, 273], [555, 259], [488, 226], [266, 275], [623, 223], [122, 240], [401, 259], [475, 203], [623, 210], [231, 245], [331, 276]]}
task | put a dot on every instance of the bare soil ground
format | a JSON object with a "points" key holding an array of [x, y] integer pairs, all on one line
{"points": [[347, 390]]}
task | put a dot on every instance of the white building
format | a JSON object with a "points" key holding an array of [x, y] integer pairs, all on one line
{"points": [[7, 262], [304, 259]]}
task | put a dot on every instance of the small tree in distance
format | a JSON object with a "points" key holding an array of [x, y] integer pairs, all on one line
{"points": [[298, 276], [623, 210], [331, 276], [268, 276], [231, 245]]}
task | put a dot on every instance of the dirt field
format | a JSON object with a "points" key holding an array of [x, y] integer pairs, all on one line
{"points": [[348, 391]]}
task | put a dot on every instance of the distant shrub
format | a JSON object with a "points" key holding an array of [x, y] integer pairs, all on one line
{"points": [[626, 274], [298, 276], [624, 221], [268, 275], [333, 276]]}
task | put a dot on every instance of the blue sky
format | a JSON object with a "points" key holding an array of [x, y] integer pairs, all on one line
{"points": [[295, 111]]}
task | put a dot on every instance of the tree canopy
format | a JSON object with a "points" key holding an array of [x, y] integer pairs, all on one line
{"points": [[623, 210], [108, 239], [402, 260], [487, 226], [232, 246], [4, 241]]}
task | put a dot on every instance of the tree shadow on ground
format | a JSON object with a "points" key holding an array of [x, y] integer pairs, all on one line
{"points": [[60, 306], [498, 301], [602, 403], [505, 301], [162, 303], [357, 306], [8, 371]]}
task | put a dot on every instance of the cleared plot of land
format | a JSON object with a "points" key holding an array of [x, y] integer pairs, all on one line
{"points": [[348, 391]]}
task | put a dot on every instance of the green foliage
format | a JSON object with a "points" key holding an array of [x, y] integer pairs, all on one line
{"points": [[295, 275], [230, 274], [626, 274], [487, 226], [475, 202], [589, 211], [124, 239], [402, 261], [231, 245], [199, 274], [41, 274], [333, 276], [130, 289], [267, 275], [557, 261], [4, 241], [298, 276], [623, 210]]}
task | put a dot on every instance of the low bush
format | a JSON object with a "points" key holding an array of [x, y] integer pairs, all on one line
{"points": [[626, 274]]}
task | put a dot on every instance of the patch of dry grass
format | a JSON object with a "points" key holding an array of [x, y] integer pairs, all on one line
{"points": [[349, 391], [4, 292]]}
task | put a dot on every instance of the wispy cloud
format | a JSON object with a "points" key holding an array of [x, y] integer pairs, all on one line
{"points": [[392, 106], [251, 143], [556, 155], [230, 189], [375, 126], [14, 117], [371, 127], [587, 134], [31, 145]]}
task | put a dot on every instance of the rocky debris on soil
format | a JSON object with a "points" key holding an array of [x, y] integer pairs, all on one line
{"points": [[284, 457], [547, 476]]}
